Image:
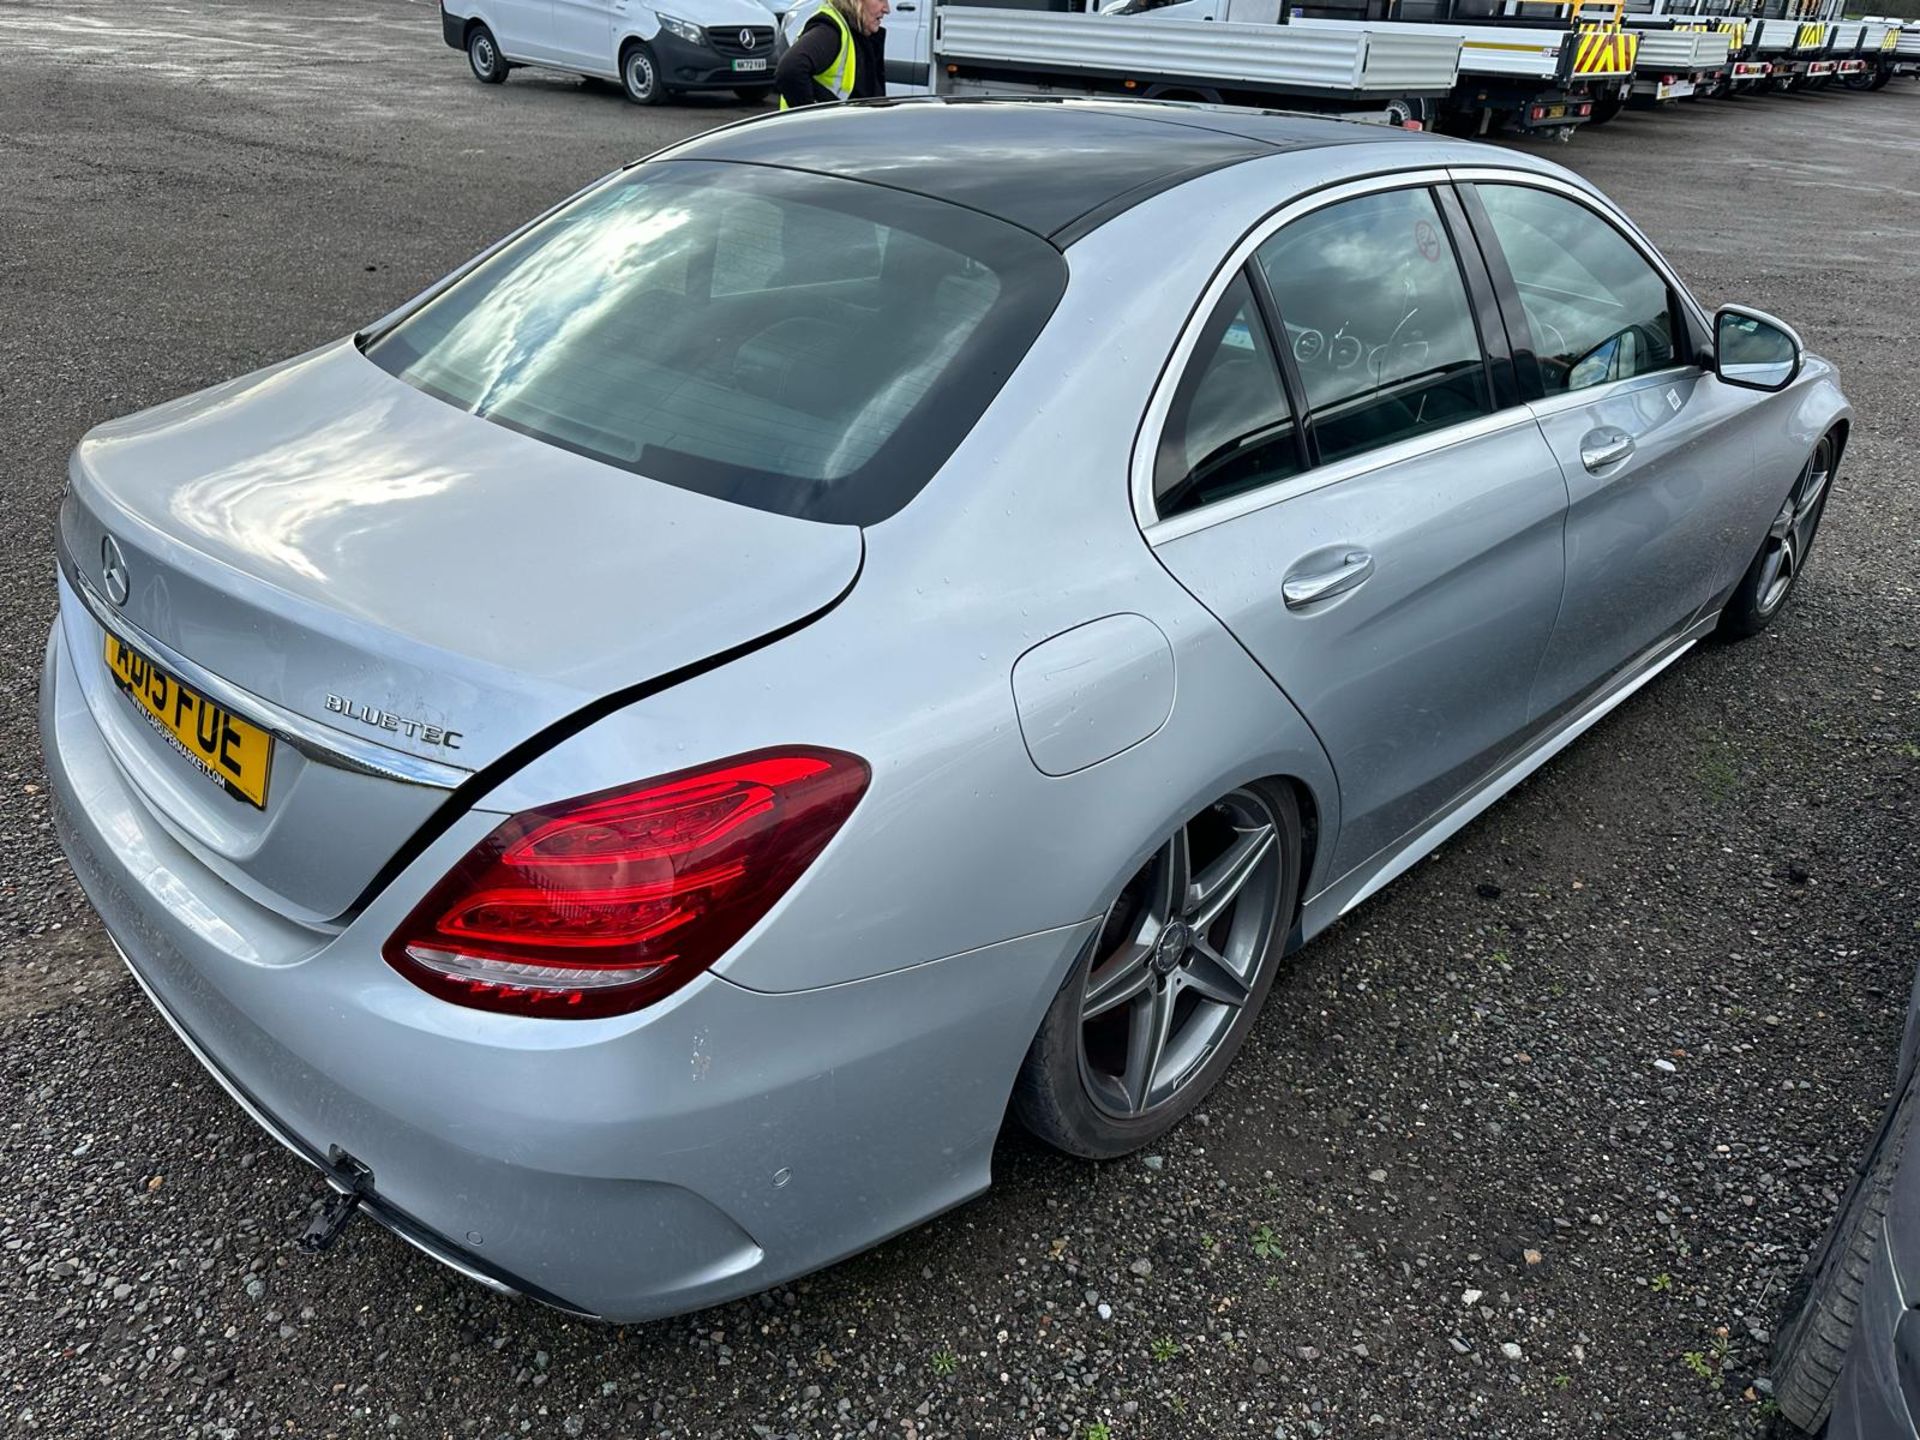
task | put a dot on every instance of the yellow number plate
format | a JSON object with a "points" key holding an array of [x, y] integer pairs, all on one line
{"points": [[235, 755]]}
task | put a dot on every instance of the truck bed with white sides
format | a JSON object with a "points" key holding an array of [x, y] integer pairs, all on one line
{"points": [[1532, 52], [1681, 52], [1328, 59]]}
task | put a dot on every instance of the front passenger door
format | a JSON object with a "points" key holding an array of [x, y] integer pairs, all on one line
{"points": [[583, 35], [1381, 539], [1649, 442]]}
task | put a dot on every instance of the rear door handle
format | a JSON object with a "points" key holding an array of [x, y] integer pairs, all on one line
{"points": [[1301, 590], [1603, 447]]}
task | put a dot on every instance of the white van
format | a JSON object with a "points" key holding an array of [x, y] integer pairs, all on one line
{"points": [[653, 53]]}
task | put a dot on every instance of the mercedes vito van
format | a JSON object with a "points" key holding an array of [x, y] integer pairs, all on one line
{"points": [[652, 52]]}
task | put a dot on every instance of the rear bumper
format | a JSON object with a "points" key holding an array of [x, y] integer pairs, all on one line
{"points": [[717, 1143], [405, 1226]]}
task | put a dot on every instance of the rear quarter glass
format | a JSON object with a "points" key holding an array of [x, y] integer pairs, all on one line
{"points": [[803, 344]]}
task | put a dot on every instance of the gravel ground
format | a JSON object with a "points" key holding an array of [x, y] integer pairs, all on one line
{"points": [[1531, 1145]]}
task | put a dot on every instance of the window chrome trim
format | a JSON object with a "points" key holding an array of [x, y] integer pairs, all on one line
{"points": [[1599, 206], [321, 744], [1613, 389], [1159, 532], [1153, 423]]}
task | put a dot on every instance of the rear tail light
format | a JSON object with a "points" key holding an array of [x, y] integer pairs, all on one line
{"points": [[601, 905]]}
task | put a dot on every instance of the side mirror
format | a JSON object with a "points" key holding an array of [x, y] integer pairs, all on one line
{"points": [[1753, 349]]}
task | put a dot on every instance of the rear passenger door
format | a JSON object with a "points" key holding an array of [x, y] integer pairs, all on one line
{"points": [[1651, 444], [1343, 474], [523, 28]]}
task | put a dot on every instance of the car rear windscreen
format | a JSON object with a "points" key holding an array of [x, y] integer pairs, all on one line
{"points": [[803, 344]]}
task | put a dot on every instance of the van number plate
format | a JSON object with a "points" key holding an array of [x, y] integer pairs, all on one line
{"points": [[759, 64]]}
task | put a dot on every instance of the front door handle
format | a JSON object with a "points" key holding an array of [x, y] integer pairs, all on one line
{"points": [[1603, 447], [1301, 590]]}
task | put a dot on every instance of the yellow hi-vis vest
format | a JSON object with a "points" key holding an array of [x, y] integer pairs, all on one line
{"points": [[837, 77]]}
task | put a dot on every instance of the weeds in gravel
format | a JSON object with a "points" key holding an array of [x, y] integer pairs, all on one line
{"points": [[944, 1362], [1663, 1281], [1561, 1381], [1098, 1431], [1207, 1242], [1267, 1245], [1710, 1364], [1165, 1349], [1719, 777]]}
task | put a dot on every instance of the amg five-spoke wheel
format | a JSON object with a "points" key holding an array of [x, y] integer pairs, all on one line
{"points": [[1171, 982], [1790, 536], [1783, 553]]}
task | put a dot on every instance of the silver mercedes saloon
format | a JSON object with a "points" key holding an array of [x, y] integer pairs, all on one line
{"points": [[870, 621]]}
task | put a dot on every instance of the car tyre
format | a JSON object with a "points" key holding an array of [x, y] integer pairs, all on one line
{"points": [[1167, 989], [1763, 590], [483, 54], [1818, 1318], [640, 74]]}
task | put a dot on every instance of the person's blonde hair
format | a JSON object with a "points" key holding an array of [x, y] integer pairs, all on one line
{"points": [[850, 12]]}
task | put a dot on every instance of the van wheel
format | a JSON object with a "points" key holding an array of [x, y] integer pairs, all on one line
{"points": [[489, 68], [639, 75]]}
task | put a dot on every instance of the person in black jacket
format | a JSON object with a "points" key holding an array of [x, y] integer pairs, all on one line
{"points": [[841, 55]]}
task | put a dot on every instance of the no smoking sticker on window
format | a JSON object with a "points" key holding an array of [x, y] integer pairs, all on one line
{"points": [[1427, 239]]}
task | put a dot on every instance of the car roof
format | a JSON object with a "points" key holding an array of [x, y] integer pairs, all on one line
{"points": [[1059, 167]]}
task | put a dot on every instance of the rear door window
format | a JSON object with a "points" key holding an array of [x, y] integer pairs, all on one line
{"points": [[1230, 428], [799, 343], [1378, 322]]}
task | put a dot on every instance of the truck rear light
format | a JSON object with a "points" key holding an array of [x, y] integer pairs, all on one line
{"points": [[601, 905], [1539, 112]]}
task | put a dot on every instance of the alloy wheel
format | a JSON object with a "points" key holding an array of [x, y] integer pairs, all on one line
{"points": [[1790, 536], [1179, 955]]}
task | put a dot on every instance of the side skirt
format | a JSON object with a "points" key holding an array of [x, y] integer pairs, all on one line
{"points": [[1368, 879]]}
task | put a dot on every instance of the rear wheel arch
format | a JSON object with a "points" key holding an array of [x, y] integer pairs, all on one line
{"points": [[1187, 947], [1308, 805]]}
